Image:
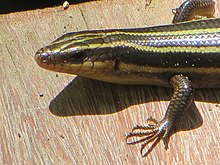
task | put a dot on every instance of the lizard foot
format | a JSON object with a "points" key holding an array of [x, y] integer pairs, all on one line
{"points": [[151, 133]]}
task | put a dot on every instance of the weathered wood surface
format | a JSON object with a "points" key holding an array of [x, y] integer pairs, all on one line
{"points": [[54, 118]]}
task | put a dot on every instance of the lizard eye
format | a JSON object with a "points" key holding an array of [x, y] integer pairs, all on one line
{"points": [[77, 56]]}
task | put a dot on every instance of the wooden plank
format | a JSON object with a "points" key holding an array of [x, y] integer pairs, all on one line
{"points": [[50, 118]]}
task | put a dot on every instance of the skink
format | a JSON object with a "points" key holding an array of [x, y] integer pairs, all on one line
{"points": [[183, 56]]}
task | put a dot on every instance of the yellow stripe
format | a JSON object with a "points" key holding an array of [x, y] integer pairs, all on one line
{"points": [[146, 69]]}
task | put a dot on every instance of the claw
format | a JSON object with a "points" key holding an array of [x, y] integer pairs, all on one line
{"points": [[166, 139], [151, 119]]}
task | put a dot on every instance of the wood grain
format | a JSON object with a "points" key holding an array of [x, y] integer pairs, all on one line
{"points": [[54, 118]]}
